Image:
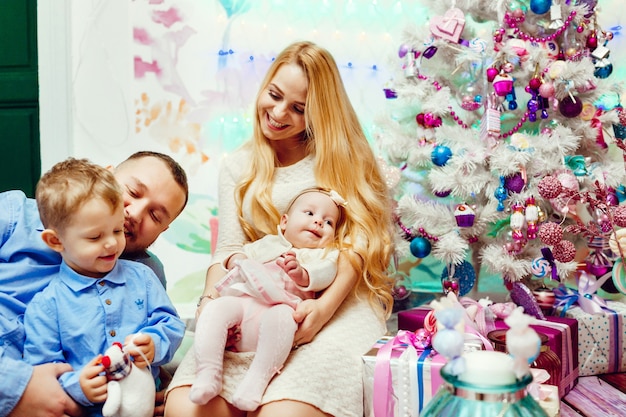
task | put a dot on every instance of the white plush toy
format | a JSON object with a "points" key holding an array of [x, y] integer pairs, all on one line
{"points": [[130, 390]]}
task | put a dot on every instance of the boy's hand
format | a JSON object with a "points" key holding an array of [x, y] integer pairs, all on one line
{"points": [[142, 343], [93, 384]]}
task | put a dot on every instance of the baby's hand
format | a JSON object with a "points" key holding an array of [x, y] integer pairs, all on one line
{"points": [[93, 384], [289, 263], [143, 343]]}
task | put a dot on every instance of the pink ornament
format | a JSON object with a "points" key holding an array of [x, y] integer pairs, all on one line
{"points": [[430, 322], [518, 46], [619, 216], [549, 187], [550, 233], [564, 251], [400, 292], [502, 310], [449, 26], [491, 73], [503, 84], [546, 90], [534, 83], [423, 339], [568, 180]]}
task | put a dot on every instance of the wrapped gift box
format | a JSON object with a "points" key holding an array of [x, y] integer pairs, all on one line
{"points": [[415, 379], [412, 319], [601, 339], [562, 335]]}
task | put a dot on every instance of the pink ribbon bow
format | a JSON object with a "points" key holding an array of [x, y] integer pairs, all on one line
{"points": [[383, 398]]}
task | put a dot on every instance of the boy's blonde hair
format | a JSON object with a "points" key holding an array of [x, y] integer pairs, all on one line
{"points": [[344, 161], [68, 185]]}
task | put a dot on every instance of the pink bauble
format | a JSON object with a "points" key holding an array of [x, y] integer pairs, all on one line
{"points": [[549, 187], [550, 233], [491, 73], [546, 90], [564, 251], [534, 83], [619, 216], [568, 180]]}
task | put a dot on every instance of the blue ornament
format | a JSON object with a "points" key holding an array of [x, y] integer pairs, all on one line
{"points": [[420, 247], [464, 273], [620, 192], [501, 194], [540, 6], [440, 155], [603, 71]]}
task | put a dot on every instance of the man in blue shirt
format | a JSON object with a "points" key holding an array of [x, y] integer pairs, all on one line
{"points": [[155, 192]]}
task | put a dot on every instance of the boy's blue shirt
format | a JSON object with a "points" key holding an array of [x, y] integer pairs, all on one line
{"points": [[75, 318]]}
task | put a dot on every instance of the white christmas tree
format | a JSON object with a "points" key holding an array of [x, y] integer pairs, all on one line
{"points": [[504, 142]]}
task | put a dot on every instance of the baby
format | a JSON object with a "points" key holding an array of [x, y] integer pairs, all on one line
{"points": [[260, 294]]}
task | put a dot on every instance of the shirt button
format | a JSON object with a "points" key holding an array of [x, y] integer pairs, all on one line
{"points": [[101, 283], [108, 302], [112, 333]]}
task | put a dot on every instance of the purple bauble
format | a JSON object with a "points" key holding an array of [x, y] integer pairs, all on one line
{"points": [[611, 197], [515, 183], [442, 194], [404, 49], [400, 292], [570, 107]]}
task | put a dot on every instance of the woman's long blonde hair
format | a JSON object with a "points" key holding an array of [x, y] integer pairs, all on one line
{"points": [[344, 161]]}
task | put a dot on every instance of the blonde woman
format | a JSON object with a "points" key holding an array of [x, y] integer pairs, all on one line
{"points": [[306, 134]]}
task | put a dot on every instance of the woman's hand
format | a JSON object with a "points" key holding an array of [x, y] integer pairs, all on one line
{"points": [[311, 316]]}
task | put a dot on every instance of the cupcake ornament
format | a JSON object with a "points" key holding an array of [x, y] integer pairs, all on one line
{"points": [[464, 215]]}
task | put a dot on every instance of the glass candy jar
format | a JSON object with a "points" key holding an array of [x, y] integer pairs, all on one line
{"points": [[457, 398]]}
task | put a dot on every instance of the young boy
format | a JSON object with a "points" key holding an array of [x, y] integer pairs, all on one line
{"points": [[96, 299], [260, 293]]}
